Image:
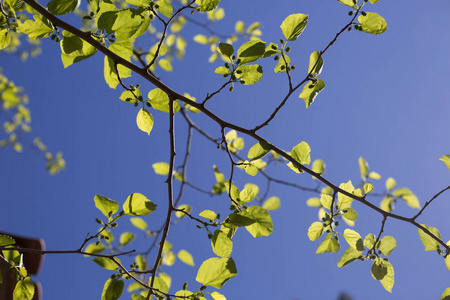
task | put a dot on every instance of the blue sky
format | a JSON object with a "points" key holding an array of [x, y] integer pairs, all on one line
{"points": [[386, 99]]}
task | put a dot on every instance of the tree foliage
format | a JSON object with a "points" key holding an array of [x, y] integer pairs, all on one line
{"points": [[114, 29]]}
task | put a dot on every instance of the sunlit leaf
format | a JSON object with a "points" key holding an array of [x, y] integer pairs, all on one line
{"points": [[138, 205], [428, 242], [372, 23], [216, 271], [186, 257], [107, 206], [315, 231], [293, 26], [112, 289], [350, 255], [311, 90], [272, 203], [329, 244], [106, 263]]}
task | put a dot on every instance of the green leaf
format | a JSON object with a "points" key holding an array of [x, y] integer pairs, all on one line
{"points": [[63, 7], [387, 204], [5, 38], [140, 3], [183, 294], [138, 223], [372, 23], [112, 289], [206, 5], [221, 244], [313, 202], [390, 183], [106, 263], [165, 65], [446, 160], [351, 214], [126, 238], [271, 49], [272, 203], [138, 205], [186, 257], [349, 256], [222, 70], [429, 243], [282, 64], [369, 240], [208, 214], [311, 90], [446, 294], [259, 150], [250, 51], [128, 22], [263, 225], [24, 289], [353, 239], [247, 194], [218, 296], [186, 208], [144, 120], [300, 153], [315, 231], [216, 271], [351, 3], [6, 240], [329, 244], [107, 206], [165, 8], [315, 63], [387, 244], [160, 285], [326, 201], [201, 39], [38, 29], [137, 296], [373, 1], [123, 48], [249, 74], [93, 248], [408, 196], [161, 168], [344, 201], [374, 175], [226, 49], [318, 166], [382, 270], [368, 187], [293, 26], [74, 49], [160, 101], [363, 167], [166, 278]]}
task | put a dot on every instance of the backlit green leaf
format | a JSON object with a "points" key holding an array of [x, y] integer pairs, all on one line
{"points": [[138, 205], [247, 194], [126, 238], [293, 26], [221, 244], [6, 240], [311, 90], [94, 248], [351, 3], [407, 196], [249, 74], [369, 240], [160, 101], [218, 296], [5, 38], [138, 223], [326, 201], [272, 203], [350, 255], [315, 231], [329, 244], [301, 153], [222, 70], [250, 51], [124, 49], [216, 271], [208, 214], [37, 29], [24, 289], [144, 120], [313, 202], [186, 208], [387, 204], [353, 239], [315, 63], [165, 8], [106, 263], [263, 225], [62, 7], [107, 206], [226, 49], [390, 183], [259, 150], [112, 289], [446, 294], [318, 166], [387, 244], [186, 257], [428, 242], [206, 5], [446, 160], [363, 167], [282, 64], [372, 23], [368, 187], [344, 201], [350, 214], [161, 168]]}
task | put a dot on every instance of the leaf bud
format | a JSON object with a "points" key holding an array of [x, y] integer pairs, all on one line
{"points": [[292, 67], [274, 47], [227, 65], [185, 286], [336, 223], [231, 88], [233, 57], [99, 221], [363, 13], [242, 81], [97, 243], [114, 225], [238, 72], [288, 49], [202, 287], [282, 41], [238, 61], [350, 13], [283, 67], [199, 226], [276, 57]]}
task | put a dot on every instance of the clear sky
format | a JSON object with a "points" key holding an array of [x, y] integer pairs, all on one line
{"points": [[386, 99]]}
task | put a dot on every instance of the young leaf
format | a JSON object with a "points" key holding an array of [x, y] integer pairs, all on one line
{"points": [[259, 150], [126, 238], [226, 49], [369, 240], [349, 256], [315, 63], [161, 168], [165, 8], [263, 225], [318, 166], [138, 205], [387, 244], [144, 120], [351, 214], [390, 183], [446, 294], [272, 203], [315, 231], [372, 23], [407, 196], [313, 202], [353, 239], [24, 289], [186, 257], [138, 223], [112, 289], [206, 5], [384, 272], [249, 74], [216, 271], [160, 101], [221, 244], [186, 208], [208, 214], [428, 242], [247, 195], [368, 187], [106, 263], [293, 26], [329, 244], [345, 201], [6, 240], [38, 29], [446, 160], [218, 296], [351, 3], [311, 90], [326, 200], [63, 7], [250, 51], [94, 248], [107, 206], [5, 38]]}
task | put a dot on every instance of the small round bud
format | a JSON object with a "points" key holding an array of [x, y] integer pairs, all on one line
{"points": [[350, 13], [283, 67], [227, 65], [282, 41], [274, 47], [363, 13], [238, 72], [276, 57], [99, 221], [231, 89], [199, 226], [288, 49], [202, 287], [114, 225], [292, 67], [336, 223]]}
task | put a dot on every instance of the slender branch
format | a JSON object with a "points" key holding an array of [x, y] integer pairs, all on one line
{"points": [[383, 222], [209, 96], [429, 202]]}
